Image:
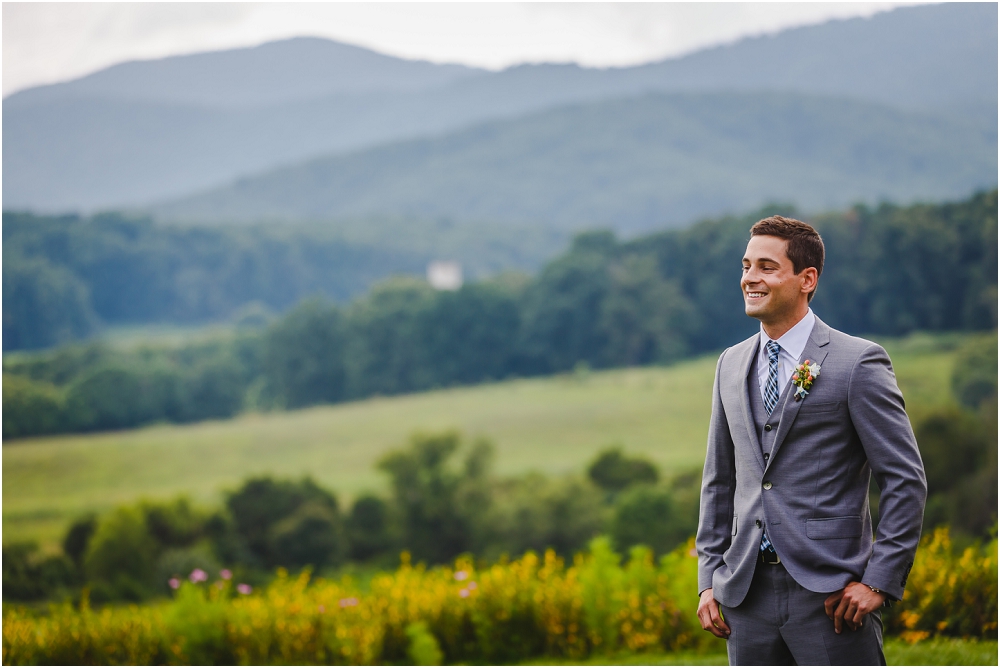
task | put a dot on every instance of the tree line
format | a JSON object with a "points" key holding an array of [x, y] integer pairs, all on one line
{"points": [[443, 501], [603, 303]]}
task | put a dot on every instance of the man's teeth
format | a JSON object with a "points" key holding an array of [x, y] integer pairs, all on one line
{"points": [[755, 295]]}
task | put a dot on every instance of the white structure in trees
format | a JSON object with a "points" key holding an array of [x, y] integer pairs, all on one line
{"points": [[444, 275]]}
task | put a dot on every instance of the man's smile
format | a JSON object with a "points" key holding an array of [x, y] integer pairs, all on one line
{"points": [[755, 295]]}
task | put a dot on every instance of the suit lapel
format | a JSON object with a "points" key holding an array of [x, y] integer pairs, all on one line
{"points": [[815, 351], [745, 365]]}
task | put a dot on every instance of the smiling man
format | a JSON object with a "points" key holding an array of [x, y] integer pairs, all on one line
{"points": [[802, 417]]}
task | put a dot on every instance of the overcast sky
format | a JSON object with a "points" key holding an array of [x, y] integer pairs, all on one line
{"points": [[49, 42]]}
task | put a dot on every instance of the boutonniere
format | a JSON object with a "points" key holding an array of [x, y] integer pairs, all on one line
{"points": [[803, 378]]}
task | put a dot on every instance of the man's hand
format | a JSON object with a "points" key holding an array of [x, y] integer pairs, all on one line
{"points": [[849, 605], [710, 617]]}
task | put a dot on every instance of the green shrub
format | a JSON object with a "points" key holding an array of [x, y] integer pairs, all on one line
{"points": [[424, 649], [948, 592], [31, 407], [29, 575], [78, 538], [262, 504], [115, 396], [974, 379], [646, 515], [367, 528], [312, 535], [538, 513], [613, 471], [121, 557], [509, 612]]}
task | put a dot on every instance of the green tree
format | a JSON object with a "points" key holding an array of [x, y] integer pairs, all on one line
{"points": [[974, 379], [114, 396], [612, 471], [312, 535], [367, 528], [648, 515], [31, 407], [434, 525], [388, 353], [304, 355], [644, 317], [121, 557], [537, 513], [562, 308], [260, 507], [78, 537], [44, 304]]}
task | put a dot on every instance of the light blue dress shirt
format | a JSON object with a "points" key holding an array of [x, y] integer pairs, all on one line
{"points": [[792, 343]]}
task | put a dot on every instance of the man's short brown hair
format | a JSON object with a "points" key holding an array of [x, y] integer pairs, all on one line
{"points": [[805, 246]]}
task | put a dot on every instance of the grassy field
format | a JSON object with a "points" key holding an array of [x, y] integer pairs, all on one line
{"points": [[554, 425], [937, 652]]}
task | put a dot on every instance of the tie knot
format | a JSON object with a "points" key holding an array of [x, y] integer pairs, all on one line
{"points": [[772, 348]]}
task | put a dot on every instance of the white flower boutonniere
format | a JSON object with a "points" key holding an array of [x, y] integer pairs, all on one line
{"points": [[803, 378]]}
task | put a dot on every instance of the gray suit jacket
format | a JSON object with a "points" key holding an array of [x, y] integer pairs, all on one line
{"points": [[815, 507]]}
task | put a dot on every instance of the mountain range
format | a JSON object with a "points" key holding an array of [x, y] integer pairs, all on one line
{"points": [[631, 164], [899, 106]]}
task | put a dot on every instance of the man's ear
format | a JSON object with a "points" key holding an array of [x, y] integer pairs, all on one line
{"points": [[810, 277]]}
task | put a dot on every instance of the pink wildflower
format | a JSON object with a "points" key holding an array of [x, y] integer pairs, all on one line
{"points": [[198, 575], [461, 575], [174, 583], [464, 593], [244, 588], [348, 602], [226, 574], [473, 585]]}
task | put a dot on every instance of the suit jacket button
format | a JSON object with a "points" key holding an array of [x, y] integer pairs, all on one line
{"points": [[767, 485], [767, 427], [767, 455], [758, 524]]}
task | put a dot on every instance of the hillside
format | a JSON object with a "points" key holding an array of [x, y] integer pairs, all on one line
{"points": [[631, 165], [162, 129], [554, 425]]}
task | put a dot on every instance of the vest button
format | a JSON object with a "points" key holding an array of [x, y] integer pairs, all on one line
{"points": [[758, 524], [767, 485], [767, 427], [767, 455]]}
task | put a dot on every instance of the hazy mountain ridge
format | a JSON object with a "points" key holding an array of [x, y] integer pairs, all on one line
{"points": [[632, 164], [940, 58], [274, 73]]}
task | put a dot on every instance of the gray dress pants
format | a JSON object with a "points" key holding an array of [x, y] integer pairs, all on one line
{"points": [[780, 623]]}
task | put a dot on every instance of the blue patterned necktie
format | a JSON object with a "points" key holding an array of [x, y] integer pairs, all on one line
{"points": [[771, 387], [770, 401]]}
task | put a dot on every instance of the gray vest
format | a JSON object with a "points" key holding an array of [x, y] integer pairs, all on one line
{"points": [[766, 425]]}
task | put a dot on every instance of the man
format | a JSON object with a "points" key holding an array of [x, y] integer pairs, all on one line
{"points": [[802, 416]]}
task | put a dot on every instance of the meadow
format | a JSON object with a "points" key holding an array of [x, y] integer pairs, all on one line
{"points": [[553, 425]]}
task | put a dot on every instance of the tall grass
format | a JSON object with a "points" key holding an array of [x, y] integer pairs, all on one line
{"points": [[535, 606]]}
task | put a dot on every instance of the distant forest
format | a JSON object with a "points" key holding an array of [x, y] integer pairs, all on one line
{"points": [[603, 303]]}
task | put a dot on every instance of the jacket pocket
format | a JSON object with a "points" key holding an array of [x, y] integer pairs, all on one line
{"points": [[822, 407], [735, 517], [834, 527]]}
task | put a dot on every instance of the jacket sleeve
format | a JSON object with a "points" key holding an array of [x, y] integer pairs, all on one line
{"points": [[879, 416], [718, 487]]}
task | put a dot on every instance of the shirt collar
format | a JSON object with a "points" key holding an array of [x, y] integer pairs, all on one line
{"points": [[794, 340]]}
